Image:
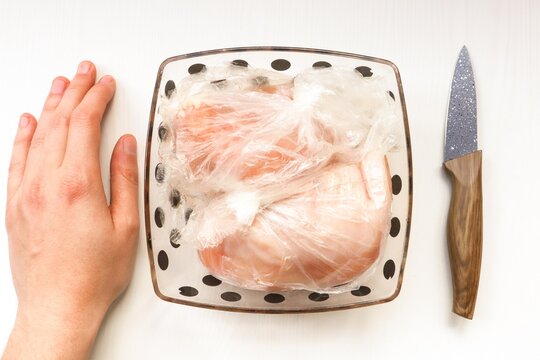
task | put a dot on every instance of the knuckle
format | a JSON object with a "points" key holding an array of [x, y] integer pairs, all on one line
{"points": [[34, 196], [126, 221], [131, 224], [37, 141], [74, 89], [83, 116], [14, 213], [130, 174], [11, 216], [60, 119], [74, 186]]}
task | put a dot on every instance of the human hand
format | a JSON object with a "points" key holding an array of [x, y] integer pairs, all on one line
{"points": [[71, 253]]}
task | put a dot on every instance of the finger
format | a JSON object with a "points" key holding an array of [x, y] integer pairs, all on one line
{"points": [[55, 125], [21, 145], [56, 92], [124, 186], [84, 127]]}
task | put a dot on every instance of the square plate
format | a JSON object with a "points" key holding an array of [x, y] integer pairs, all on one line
{"points": [[177, 273]]}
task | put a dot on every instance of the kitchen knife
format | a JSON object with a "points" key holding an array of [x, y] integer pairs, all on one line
{"points": [[463, 162]]}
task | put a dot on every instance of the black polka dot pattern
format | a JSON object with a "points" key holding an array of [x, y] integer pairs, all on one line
{"points": [[396, 184], [361, 291], [162, 132], [280, 64], [391, 95], [159, 217], [188, 291], [364, 70], [389, 269], [188, 213], [196, 68], [160, 173], [174, 198], [322, 64], [174, 238], [211, 281], [163, 260], [318, 297], [239, 62], [231, 296], [273, 298], [170, 86], [395, 226]]}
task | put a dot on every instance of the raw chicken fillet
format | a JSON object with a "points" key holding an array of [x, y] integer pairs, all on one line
{"points": [[289, 178], [314, 240]]}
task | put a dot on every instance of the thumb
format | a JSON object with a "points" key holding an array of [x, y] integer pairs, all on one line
{"points": [[124, 185]]}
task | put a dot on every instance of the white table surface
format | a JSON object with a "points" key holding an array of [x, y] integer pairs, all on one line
{"points": [[129, 39]]}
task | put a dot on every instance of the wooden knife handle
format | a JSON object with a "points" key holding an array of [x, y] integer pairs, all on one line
{"points": [[465, 230]]}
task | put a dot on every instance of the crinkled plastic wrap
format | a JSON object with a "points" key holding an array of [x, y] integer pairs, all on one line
{"points": [[287, 177]]}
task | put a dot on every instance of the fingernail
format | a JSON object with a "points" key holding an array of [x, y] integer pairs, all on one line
{"points": [[58, 86], [130, 145], [84, 67], [107, 79], [24, 121]]}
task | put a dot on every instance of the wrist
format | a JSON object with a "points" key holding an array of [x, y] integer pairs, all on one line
{"points": [[69, 333]]}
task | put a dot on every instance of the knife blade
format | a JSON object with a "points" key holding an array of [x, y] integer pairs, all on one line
{"points": [[463, 162]]}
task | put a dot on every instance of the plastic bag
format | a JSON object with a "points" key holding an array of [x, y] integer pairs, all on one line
{"points": [[287, 176]]}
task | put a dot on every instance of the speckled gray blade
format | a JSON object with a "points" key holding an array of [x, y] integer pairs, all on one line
{"points": [[461, 133]]}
